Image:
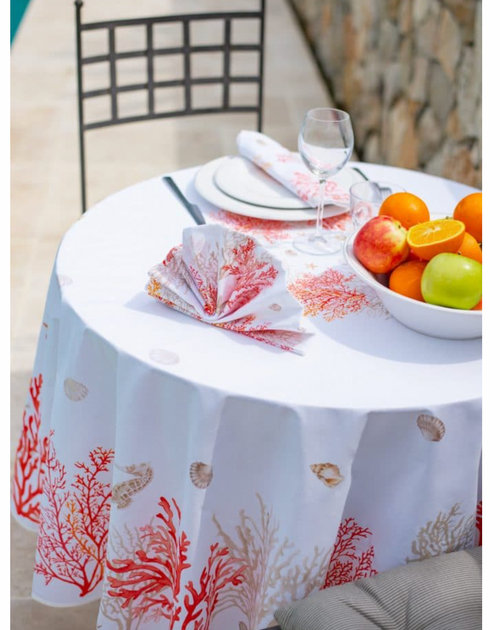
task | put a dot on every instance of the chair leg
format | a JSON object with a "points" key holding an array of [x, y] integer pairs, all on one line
{"points": [[82, 174]]}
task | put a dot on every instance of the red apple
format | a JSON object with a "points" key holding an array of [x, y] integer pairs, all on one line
{"points": [[380, 245]]}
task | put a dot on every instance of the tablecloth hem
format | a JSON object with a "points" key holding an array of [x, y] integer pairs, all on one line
{"points": [[45, 602]]}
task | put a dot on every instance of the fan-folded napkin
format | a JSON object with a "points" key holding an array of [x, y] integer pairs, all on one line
{"points": [[228, 279]]}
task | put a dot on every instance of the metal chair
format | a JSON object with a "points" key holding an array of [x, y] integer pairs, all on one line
{"points": [[150, 85]]}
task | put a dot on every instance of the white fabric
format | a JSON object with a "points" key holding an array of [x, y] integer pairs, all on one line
{"points": [[226, 278], [271, 458], [287, 168]]}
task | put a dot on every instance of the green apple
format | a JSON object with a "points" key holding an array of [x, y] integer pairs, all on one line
{"points": [[452, 280]]}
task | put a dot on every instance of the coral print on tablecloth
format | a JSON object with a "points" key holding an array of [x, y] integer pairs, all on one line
{"points": [[449, 531], [253, 570], [339, 222], [276, 232], [74, 520], [148, 584], [123, 545], [31, 458], [334, 295], [269, 231], [348, 560], [276, 571]]}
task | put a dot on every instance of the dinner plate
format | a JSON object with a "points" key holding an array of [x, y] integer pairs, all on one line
{"points": [[206, 187], [238, 177], [241, 179]]}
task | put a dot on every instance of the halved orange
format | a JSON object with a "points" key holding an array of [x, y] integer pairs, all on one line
{"points": [[431, 238]]}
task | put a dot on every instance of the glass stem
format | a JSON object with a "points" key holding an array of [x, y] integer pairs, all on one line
{"points": [[321, 209]]}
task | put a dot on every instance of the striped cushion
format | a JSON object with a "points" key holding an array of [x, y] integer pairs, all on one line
{"points": [[442, 593]]}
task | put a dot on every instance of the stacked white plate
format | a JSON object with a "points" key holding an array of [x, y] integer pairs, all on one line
{"points": [[235, 184]]}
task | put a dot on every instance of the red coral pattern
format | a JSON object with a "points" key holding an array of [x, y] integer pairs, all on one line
{"points": [[224, 276], [331, 293], [283, 158], [208, 290], [283, 339], [201, 602], [274, 232], [479, 523], [339, 222], [307, 188], [242, 277], [347, 563], [151, 581], [74, 522], [251, 275], [270, 231], [31, 457]]}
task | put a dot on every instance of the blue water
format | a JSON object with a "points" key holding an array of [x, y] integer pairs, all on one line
{"points": [[17, 9]]}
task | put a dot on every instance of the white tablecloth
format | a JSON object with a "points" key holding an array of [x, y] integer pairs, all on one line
{"points": [[193, 478]]}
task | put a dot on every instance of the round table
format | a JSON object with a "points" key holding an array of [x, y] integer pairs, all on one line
{"points": [[179, 471]]}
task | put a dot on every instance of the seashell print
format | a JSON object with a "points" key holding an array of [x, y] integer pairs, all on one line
{"points": [[64, 281], [74, 390], [165, 357], [432, 428], [328, 473], [275, 307], [201, 474]]}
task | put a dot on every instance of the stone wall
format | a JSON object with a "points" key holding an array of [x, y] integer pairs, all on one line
{"points": [[409, 73]]}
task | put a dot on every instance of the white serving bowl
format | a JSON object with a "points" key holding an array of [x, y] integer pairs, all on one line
{"points": [[435, 321]]}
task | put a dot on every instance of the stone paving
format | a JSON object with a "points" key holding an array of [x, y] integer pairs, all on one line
{"points": [[45, 198]]}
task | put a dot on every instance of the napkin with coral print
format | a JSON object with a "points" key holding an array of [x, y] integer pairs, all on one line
{"points": [[228, 279], [287, 168]]}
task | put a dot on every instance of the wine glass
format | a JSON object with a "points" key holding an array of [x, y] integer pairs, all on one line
{"points": [[326, 140]]}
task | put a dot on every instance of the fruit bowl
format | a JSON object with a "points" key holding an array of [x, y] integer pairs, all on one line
{"points": [[434, 321]]}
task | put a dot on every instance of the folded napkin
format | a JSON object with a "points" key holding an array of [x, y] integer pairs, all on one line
{"points": [[287, 168], [227, 279]]}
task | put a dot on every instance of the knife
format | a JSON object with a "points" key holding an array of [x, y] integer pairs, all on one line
{"points": [[193, 210]]}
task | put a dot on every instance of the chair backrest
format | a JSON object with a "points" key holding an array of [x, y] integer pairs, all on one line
{"points": [[150, 85]]}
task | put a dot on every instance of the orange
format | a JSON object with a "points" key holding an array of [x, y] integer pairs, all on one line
{"points": [[470, 212], [408, 209], [405, 279], [431, 238], [478, 307], [470, 248]]}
